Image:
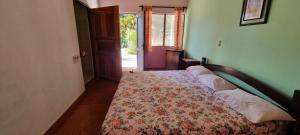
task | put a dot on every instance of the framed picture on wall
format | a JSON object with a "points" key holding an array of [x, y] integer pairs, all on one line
{"points": [[255, 12]]}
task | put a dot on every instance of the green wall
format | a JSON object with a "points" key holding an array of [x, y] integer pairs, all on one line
{"points": [[269, 52]]}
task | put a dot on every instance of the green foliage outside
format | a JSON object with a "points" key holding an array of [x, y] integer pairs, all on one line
{"points": [[128, 30]]}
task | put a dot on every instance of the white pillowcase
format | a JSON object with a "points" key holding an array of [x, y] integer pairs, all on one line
{"points": [[252, 107], [215, 82], [198, 70]]}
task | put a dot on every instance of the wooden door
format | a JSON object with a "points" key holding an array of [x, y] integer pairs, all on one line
{"points": [[105, 35]]}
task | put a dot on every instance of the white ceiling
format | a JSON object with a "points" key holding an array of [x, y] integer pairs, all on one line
{"points": [[133, 5], [90, 3]]}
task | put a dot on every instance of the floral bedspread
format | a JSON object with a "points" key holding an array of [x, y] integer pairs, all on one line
{"points": [[175, 103]]}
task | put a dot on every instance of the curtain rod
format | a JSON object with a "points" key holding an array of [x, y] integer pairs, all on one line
{"points": [[160, 7]]}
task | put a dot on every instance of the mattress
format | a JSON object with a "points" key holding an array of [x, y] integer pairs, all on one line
{"points": [[174, 102]]}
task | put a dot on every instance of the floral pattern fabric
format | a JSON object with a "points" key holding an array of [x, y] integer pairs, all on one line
{"points": [[175, 103]]}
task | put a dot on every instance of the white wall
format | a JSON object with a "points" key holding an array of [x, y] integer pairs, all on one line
{"points": [[38, 80], [132, 6]]}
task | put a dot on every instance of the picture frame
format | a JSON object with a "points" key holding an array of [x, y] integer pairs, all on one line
{"points": [[255, 12]]}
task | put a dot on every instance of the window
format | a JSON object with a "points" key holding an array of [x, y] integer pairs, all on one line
{"points": [[170, 30], [163, 29], [158, 30]]}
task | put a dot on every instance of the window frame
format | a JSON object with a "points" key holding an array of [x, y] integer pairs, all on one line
{"points": [[164, 27]]}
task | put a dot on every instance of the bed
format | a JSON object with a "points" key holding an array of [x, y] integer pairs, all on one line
{"points": [[174, 102]]}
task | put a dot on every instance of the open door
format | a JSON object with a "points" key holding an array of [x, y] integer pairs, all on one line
{"points": [[105, 36]]}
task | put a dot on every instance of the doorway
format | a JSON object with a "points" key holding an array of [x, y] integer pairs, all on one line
{"points": [[84, 40], [128, 35]]}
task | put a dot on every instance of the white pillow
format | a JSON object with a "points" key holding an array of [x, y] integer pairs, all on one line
{"points": [[252, 107], [215, 82], [198, 70]]}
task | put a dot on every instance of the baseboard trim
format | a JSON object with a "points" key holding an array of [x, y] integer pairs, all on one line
{"points": [[65, 115]]}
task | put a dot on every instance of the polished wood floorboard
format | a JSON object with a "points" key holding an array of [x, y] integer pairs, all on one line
{"points": [[88, 115]]}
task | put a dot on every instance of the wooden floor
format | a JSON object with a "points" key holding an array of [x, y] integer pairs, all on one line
{"points": [[88, 115]]}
